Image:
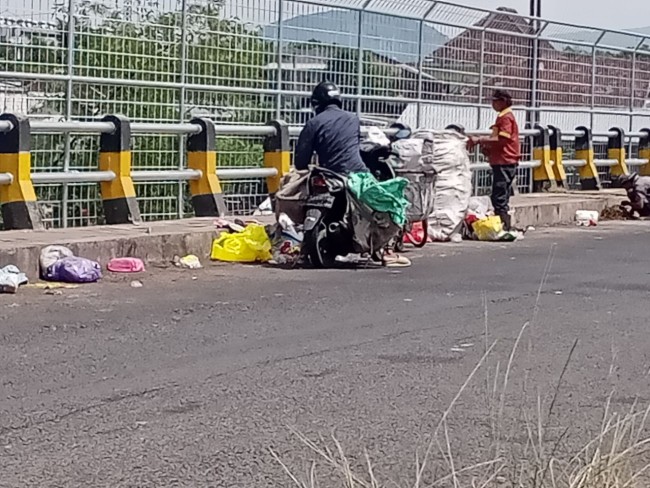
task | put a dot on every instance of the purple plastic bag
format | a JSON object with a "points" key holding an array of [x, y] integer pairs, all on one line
{"points": [[74, 270]]}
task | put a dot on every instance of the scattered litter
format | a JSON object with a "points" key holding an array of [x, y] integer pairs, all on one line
{"points": [[11, 278], [614, 213], [530, 228], [265, 208], [58, 263], [491, 229], [250, 245], [559, 292], [408, 299], [13, 305], [467, 344], [126, 265], [586, 218], [136, 284], [53, 292], [52, 285], [457, 349], [188, 262], [231, 226]]}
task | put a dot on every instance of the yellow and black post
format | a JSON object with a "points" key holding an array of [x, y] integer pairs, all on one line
{"points": [[118, 196], [555, 141], [584, 146], [207, 198], [616, 151], [644, 152], [277, 155], [18, 199], [543, 178]]}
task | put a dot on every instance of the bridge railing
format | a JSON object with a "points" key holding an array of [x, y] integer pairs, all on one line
{"points": [[545, 167]]}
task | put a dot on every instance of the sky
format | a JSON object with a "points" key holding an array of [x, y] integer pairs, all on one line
{"points": [[612, 14], [619, 14]]}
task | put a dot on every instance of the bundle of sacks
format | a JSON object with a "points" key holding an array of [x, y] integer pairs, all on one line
{"points": [[445, 197]]}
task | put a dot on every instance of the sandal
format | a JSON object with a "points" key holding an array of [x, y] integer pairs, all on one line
{"points": [[396, 261]]}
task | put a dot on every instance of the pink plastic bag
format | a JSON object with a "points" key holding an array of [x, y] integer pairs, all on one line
{"points": [[126, 265]]}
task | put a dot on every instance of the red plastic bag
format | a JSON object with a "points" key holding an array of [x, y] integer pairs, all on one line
{"points": [[416, 234]]}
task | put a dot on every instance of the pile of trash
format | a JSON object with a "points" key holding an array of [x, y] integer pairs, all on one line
{"points": [[58, 265], [481, 224], [251, 242]]}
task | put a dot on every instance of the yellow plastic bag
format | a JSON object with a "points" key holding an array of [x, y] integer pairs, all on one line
{"points": [[488, 229], [249, 246]]}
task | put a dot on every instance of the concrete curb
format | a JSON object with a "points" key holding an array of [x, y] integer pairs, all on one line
{"points": [[557, 209], [159, 242]]}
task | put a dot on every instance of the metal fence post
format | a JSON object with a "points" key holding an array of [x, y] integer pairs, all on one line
{"points": [[644, 152], [181, 106], [277, 154], [360, 56], [118, 196], [616, 150], [584, 148], [555, 143], [481, 81], [593, 80], [543, 177], [278, 98], [207, 197], [18, 199], [418, 116], [68, 110]]}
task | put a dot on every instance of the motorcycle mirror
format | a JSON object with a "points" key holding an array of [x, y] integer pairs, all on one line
{"points": [[403, 131], [403, 134]]}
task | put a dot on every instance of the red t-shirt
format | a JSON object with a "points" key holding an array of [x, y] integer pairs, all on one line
{"points": [[507, 150]]}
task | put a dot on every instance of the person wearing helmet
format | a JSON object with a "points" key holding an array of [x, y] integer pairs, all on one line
{"points": [[638, 193], [333, 134]]}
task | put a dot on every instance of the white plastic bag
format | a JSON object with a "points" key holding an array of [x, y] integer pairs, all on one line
{"points": [[11, 278], [51, 254]]}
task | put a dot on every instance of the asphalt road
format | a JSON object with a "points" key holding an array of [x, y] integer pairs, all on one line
{"points": [[189, 380]]}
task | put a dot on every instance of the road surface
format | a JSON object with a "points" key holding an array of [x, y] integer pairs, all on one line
{"points": [[191, 379]]}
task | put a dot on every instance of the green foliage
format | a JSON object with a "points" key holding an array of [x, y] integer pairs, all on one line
{"points": [[157, 66]]}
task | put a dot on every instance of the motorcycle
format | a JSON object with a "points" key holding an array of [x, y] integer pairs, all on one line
{"points": [[338, 224]]}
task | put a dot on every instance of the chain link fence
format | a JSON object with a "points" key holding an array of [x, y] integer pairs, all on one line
{"points": [[426, 63]]}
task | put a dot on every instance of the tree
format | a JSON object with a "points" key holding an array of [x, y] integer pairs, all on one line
{"points": [[165, 63]]}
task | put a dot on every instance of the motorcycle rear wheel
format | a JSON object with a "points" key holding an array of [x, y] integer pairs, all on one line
{"points": [[315, 242]]}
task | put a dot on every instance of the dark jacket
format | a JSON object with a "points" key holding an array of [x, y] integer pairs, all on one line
{"points": [[639, 193], [334, 135]]}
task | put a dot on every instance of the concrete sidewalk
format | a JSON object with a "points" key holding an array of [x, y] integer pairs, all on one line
{"points": [[158, 242]]}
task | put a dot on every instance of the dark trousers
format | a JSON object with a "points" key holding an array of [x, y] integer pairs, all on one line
{"points": [[502, 178]]}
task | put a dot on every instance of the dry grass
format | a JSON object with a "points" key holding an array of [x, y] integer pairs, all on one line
{"points": [[618, 456]]}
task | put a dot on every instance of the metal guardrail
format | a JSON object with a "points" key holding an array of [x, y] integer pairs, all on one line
{"points": [[102, 127]]}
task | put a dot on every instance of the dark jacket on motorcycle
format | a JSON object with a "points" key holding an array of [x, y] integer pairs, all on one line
{"points": [[334, 135]]}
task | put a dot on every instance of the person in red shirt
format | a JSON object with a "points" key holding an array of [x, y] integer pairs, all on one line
{"points": [[503, 153]]}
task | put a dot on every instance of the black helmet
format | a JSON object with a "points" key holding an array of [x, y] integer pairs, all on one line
{"points": [[325, 94]]}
